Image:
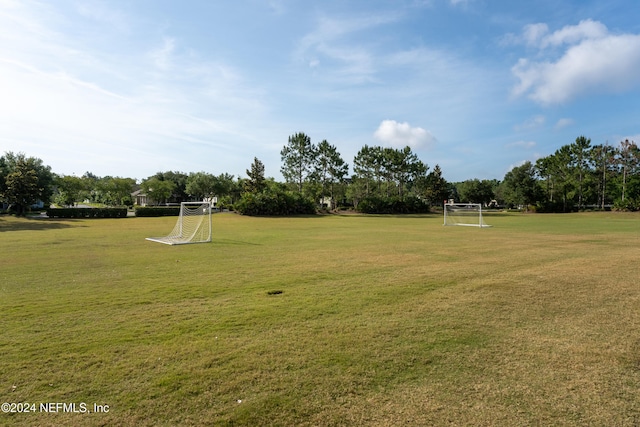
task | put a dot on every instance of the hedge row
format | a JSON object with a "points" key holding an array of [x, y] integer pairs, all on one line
{"points": [[148, 211], [272, 203], [392, 205], [87, 212]]}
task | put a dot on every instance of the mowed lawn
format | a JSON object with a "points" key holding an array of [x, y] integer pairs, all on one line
{"points": [[324, 321]]}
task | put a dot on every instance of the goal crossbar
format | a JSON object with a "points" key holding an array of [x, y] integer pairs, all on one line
{"points": [[464, 214], [194, 225]]}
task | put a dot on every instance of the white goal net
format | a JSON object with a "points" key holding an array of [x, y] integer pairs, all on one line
{"points": [[466, 214], [193, 225]]}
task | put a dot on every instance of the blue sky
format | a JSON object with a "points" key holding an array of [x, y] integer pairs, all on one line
{"points": [[130, 88]]}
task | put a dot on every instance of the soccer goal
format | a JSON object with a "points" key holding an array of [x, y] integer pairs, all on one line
{"points": [[466, 214], [193, 225]]}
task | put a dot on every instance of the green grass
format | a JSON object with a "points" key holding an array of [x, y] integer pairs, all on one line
{"points": [[328, 320]]}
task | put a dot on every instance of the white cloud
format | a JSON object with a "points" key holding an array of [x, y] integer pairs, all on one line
{"points": [[515, 165], [530, 124], [563, 123], [65, 98], [162, 56], [402, 134], [533, 33], [570, 34], [537, 35], [594, 62], [329, 44]]}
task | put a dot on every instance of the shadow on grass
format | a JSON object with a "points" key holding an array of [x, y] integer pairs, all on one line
{"points": [[500, 214], [234, 242], [382, 215], [34, 224]]}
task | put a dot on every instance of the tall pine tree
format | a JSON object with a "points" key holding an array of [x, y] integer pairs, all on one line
{"points": [[298, 158], [256, 182]]}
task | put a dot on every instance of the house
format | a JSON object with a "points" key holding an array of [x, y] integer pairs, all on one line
{"points": [[139, 198]]}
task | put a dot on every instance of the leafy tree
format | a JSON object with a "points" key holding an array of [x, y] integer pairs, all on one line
{"points": [[453, 190], [366, 165], [256, 182], [298, 158], [475, 191], [569, 175], [603, 157], [520, 186], [402, 167], [179, 179], [157, 189], [330, 168], [399, 169], [274, 200], [24, 181], [544, 171], [230, 188], [435, 189], [562, 168], [580, 149], [21, 188], [224, 186], [387, 162], [5, 169], [71, 189], [628, 156], [357, 190], [202, 185], [90, 183], [116, 191]]}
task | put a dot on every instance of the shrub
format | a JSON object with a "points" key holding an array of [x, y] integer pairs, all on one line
{"points": [[87, 212], [392, 205], [628, 205], [154, 211], [225, 202], [553, 207], [274, 203]]}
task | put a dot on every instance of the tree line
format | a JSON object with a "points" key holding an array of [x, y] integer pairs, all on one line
{"points": [[384, 180], [577, 176]]}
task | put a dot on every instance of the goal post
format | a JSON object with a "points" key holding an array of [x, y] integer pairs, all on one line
{"points": [[194, 225], [465, 214]]}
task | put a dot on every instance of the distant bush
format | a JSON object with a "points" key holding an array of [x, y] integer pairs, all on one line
{"points": [[274, 203], [628, 205], [87, 212], [225, 202], [152, 211], [392, 205], [553, 207]]}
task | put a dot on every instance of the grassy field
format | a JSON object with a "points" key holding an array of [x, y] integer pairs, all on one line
{"points": [[324, 321]]}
